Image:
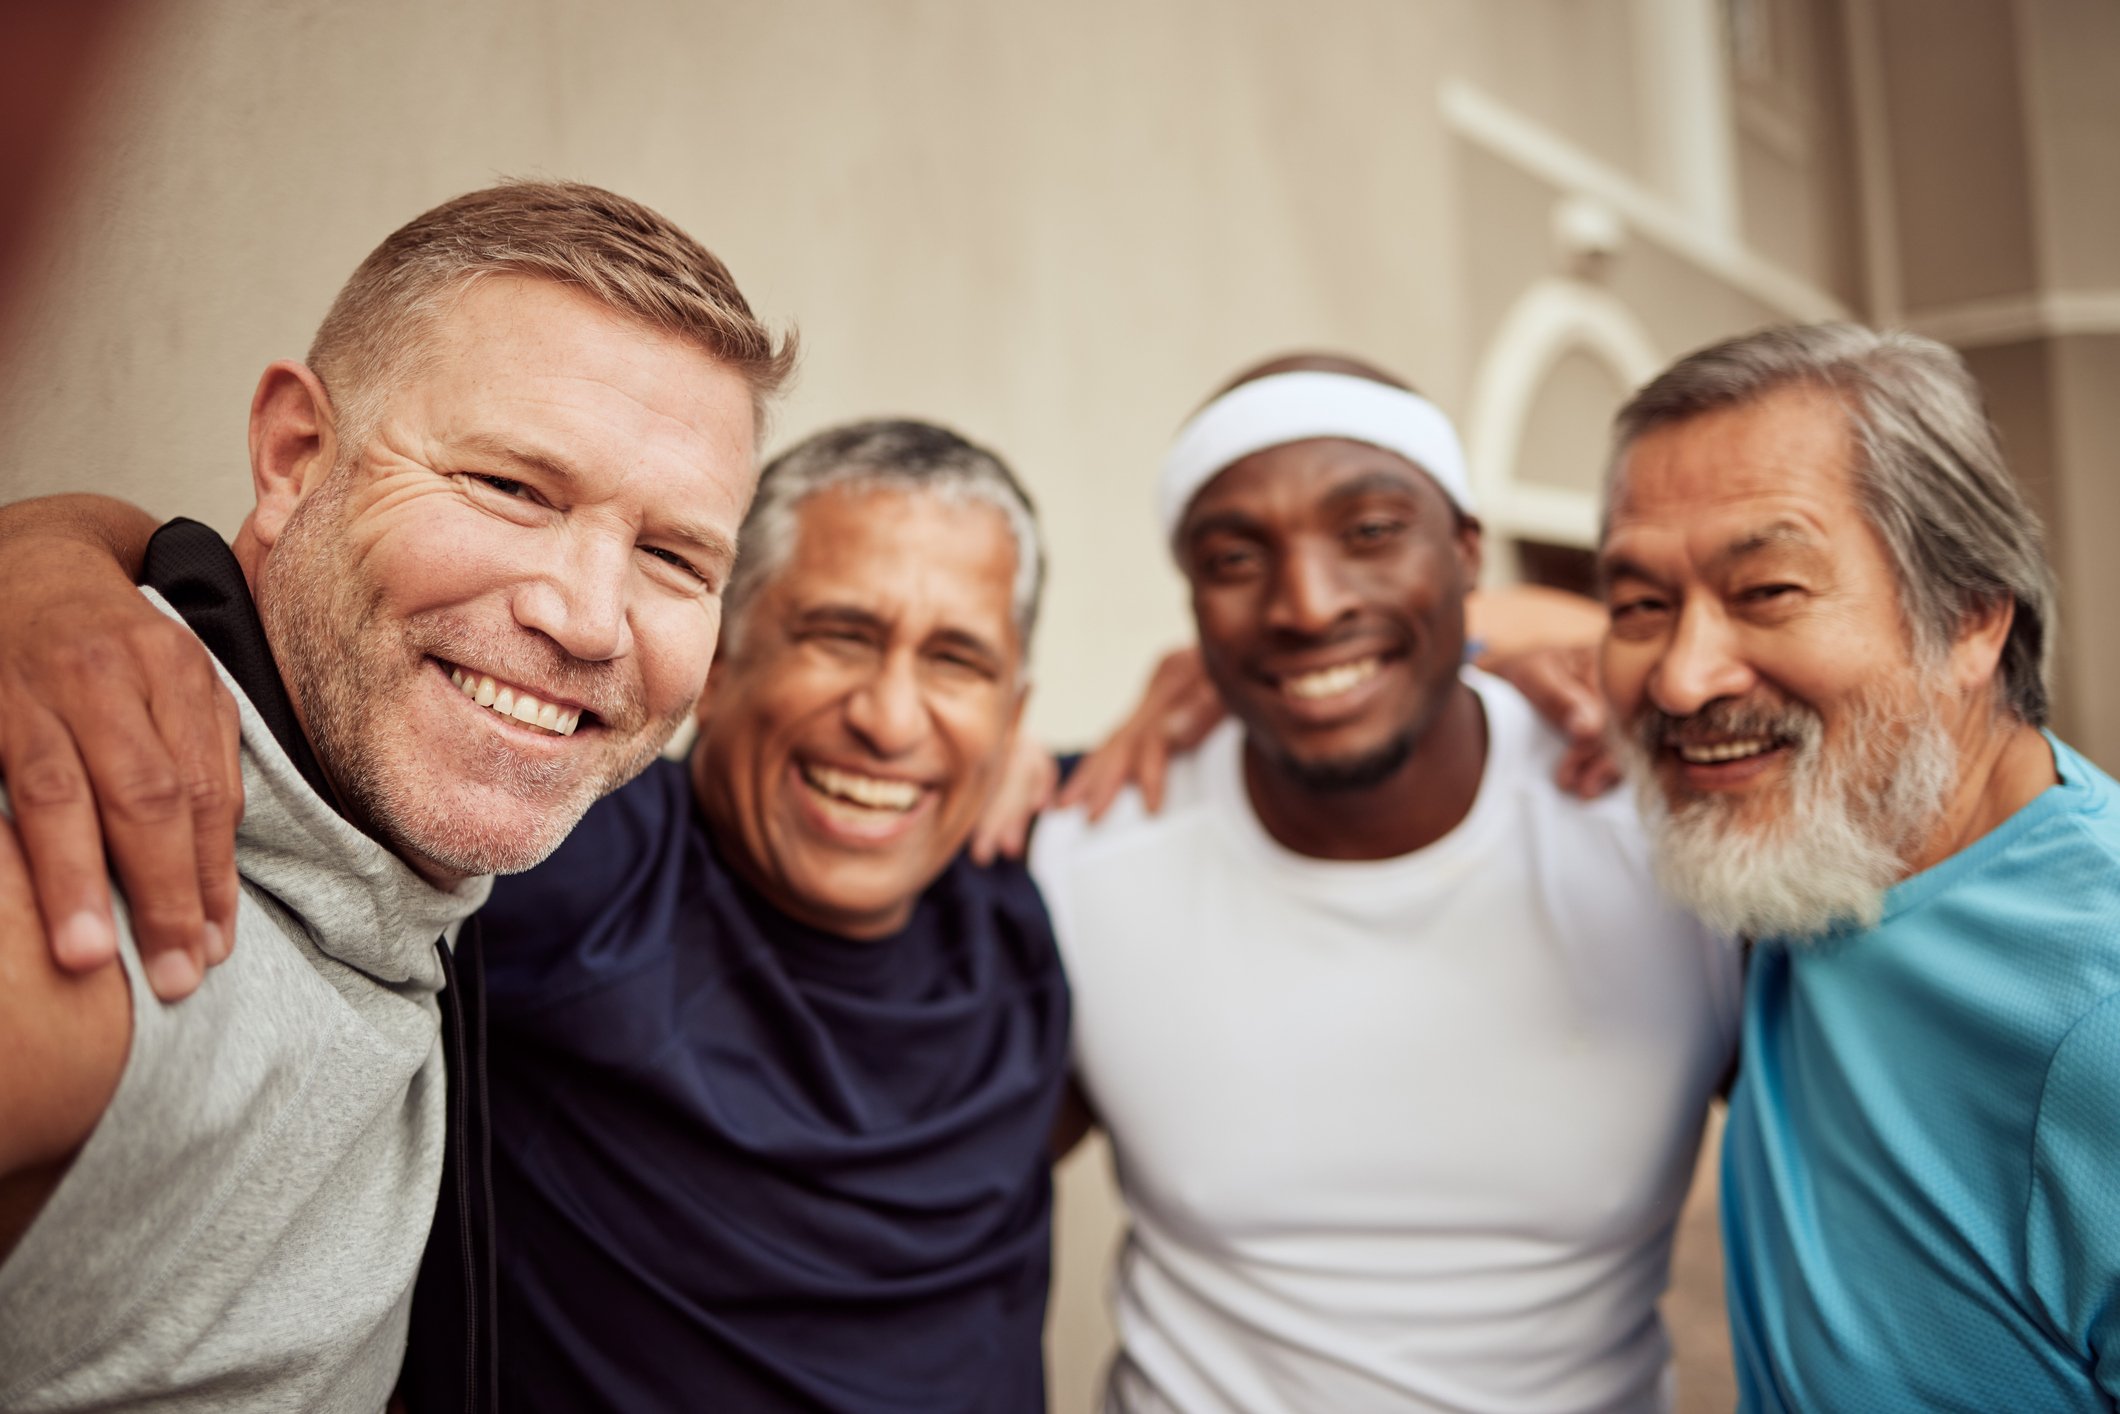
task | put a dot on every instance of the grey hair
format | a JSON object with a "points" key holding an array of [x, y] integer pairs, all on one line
{"points": [[894, 454], [1929, 475]]}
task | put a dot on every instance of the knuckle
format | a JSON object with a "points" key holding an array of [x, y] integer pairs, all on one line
{"points": [[148, 796], [91, 657], [47, 783], [206, 791]]}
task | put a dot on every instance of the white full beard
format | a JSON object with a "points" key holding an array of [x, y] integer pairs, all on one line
{"points": [[1853, 815]]}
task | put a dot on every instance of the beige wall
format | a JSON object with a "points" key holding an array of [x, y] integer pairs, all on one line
{"points": [[1054, 226], [1057, 226]]}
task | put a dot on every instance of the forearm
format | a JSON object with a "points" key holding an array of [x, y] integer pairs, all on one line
{"points": [[119, 529]]}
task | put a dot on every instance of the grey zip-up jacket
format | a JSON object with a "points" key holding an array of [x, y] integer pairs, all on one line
{"points": [[242, 1230]]}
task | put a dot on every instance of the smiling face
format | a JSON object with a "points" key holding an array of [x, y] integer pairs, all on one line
{"points": [[497, 608], [1790, 734], [1328, 583], [856, 731]]}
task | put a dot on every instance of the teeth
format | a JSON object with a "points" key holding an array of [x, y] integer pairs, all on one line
{"points": [[1710, 754], [512, 702], [1331, 682], [871, 791]]}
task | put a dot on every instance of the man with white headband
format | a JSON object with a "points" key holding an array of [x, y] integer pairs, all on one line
{"points": [[1403, 1058]]}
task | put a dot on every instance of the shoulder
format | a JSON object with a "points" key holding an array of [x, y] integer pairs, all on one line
{"points": [[639, 814], [2053, 873], [2093, 814], [1523, 758], [1066, 840], [63, 1036], [629, 834], [997, 899]]}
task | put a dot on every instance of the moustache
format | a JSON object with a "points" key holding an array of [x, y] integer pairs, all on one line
{"points": [[1725, 718]]}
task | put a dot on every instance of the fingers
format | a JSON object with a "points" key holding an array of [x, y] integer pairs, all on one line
{"points": [[16, 888], [1026, 785], [1195, 714], [1176, 712], [55, 822], [169, 799], [1073, 790], [1016, 839], [1588, 769], [144, 803], [1099, 778], [134, 762], [1152, 772], [1601, 773], [198, 718]]}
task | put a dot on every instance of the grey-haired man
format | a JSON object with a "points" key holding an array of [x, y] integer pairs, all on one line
{"points": [[1831, 622]]}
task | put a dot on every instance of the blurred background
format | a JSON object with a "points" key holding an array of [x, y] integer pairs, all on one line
{"points": [[1058, 227]]}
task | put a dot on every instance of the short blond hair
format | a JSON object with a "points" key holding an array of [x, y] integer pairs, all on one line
{"points": [[617, 252]]}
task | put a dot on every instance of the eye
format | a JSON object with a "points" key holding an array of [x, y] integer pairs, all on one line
{"points": [[843, 642], [512, 489], [1635, 612], [1228, 561], [1375, 530], [677, 561], [1769, 595], [968, 664]]}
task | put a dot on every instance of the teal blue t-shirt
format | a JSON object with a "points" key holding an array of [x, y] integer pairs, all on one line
{"points": [[1921, 1179]]}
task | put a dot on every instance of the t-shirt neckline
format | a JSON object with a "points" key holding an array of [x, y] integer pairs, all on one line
{"points": [[1230, 807]]}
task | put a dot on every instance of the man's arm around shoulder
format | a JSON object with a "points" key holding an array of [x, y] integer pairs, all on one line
{"points": [[63, 1043]]}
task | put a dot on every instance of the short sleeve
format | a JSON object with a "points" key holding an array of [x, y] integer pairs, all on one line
{"points": [[2072, 1246]]}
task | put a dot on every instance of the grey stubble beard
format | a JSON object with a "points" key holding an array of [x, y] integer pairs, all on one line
{"points": [[341, 674]]}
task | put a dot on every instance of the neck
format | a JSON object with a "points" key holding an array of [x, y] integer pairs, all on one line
{"points": [[250, 554], [1423, 800], [2002, 766]]}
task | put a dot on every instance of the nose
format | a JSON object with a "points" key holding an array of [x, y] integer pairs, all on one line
{"points": [[580, 599], [887, 710], [1700, 664], [1311, 591]]}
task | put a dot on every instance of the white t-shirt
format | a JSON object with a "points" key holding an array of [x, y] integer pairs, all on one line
{"points": [[1401, 1135]]}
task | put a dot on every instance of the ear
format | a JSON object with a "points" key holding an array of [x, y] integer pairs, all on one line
{"points": [[1015, 716], [1976, 653], [293, 444], [703, 707], [1468, 538], [723, 667]]}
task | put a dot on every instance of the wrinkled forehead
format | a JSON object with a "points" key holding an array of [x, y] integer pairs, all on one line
{"points": [[1727, 520]]}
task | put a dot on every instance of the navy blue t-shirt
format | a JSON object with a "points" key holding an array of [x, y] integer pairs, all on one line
{"points": [[741, 1164]]}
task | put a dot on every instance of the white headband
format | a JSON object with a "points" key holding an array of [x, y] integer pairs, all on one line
{"points": [[1293, 407]]}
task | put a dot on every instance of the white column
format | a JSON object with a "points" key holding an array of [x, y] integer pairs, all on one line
{"points": [[1687, 113]]}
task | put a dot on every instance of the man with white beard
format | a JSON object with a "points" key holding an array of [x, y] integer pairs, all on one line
{"points": [[1830, 619]]}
